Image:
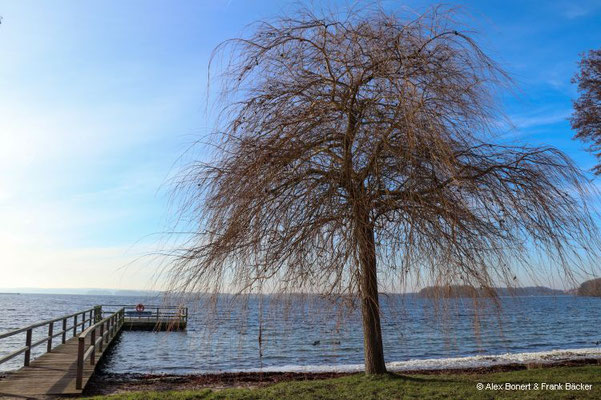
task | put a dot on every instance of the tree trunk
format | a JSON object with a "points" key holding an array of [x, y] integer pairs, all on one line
{"points": [[370, 306]]}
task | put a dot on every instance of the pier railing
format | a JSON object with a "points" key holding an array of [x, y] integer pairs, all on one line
{"points": [[153, 312], [69, 324], [101, 334]]}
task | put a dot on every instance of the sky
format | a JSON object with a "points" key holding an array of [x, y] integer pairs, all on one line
{"points": [[98, 101]]}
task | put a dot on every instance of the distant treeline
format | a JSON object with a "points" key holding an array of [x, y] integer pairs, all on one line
{"points": [[469, 291], [590, 288]]}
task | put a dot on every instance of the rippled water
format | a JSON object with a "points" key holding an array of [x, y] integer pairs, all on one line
{"points": [[312, 335]]}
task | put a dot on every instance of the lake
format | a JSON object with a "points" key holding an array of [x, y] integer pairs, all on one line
{"points": [[314, 336]]}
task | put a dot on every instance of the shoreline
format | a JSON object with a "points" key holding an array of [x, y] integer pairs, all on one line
{"points": [[110, 383]]}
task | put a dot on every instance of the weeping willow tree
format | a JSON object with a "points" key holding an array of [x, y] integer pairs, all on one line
{"points": [[586, 118], [351, 147]]}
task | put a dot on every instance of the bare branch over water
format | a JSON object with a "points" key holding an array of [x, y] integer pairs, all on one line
{"points": [[363, 145]]}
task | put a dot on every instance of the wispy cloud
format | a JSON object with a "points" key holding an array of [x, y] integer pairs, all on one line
{"points": [[578, 9], [95, 111], [539, 118], [574, 11]]}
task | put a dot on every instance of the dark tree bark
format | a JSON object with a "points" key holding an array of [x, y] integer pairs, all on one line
{"points": [[373, 348]]}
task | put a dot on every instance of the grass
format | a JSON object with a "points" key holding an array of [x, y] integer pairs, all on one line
{"points": [[396, 386]]}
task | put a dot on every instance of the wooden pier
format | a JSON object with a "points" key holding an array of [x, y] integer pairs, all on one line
{"points": [[65, 369], [153, 317]]}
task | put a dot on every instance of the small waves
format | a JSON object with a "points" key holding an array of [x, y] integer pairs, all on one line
{"points": [[542, 357]]}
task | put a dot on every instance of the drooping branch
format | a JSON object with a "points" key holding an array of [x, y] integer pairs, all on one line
{"points": [[396, 115]]}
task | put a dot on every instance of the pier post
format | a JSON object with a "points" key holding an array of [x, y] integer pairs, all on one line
{"points": [[97, 313], [75, 325], [110, 329], [101, 337], [28, 344], [79, 373], [64, 330], [50, 329], [93, 354]]}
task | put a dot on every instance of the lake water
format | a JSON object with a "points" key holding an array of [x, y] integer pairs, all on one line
{"points": [[312, 335]]}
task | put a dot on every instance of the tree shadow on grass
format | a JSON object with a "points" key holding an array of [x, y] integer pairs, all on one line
{"points": [[423, 379]]}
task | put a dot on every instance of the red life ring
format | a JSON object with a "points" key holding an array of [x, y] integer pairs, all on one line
{"points": [[140, 307]]}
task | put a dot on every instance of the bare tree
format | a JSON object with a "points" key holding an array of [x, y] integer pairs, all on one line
{"points": [[361, 145], [586, 119]]}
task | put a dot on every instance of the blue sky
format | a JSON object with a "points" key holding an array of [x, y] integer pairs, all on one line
{"points": [[99, 99]]}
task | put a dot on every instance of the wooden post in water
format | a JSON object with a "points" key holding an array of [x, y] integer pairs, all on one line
{"points": [[28, 344]]}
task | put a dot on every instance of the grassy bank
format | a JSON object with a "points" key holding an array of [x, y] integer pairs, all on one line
{"points": [[395, 386]]}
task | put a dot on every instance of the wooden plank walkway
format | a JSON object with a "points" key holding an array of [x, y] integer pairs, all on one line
{"points": [[51, 374], [56, 372], [63, 370]]}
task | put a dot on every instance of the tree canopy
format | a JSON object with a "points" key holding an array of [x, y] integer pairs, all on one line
{"points": [[586, 119], [356, 150]]}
